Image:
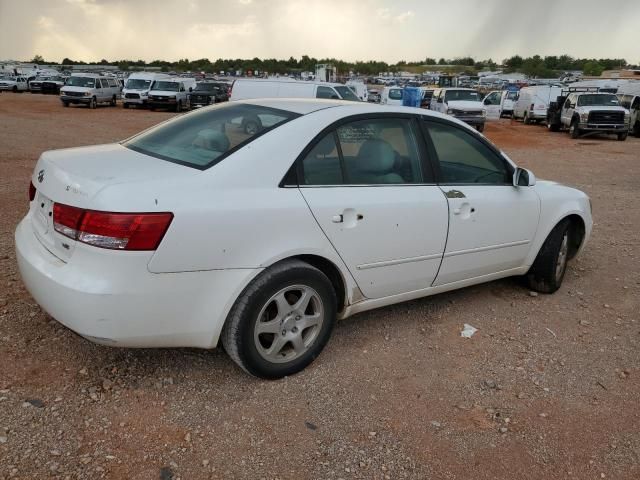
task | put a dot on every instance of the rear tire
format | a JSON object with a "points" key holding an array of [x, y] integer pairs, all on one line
{"points": [[125, 105], [548, 269], [622, 136], [552, 127], [525, 119], [93, 103], [269, 332], [574, 131], [113, 101], [66, 104]]}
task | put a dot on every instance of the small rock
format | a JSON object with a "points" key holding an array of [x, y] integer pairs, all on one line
{"points": [[3, 439], [205, 463], [504, 429], [585, 323], [107, 384], [372, 434], [543, 415], [83, 371], [436, 424], [310, 426], [35, 402], [533, 294], [521, 395], [187, 437], [490, 384], [55, 453], [166, 473]]}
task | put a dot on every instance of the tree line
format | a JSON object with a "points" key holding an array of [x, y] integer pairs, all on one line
{"points": [[534, 66]]}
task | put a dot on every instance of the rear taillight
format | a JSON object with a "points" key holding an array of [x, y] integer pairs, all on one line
{"points": [[118, 231], [32, 191]]}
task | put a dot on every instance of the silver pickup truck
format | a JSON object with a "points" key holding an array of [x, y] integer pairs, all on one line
{"points": [[591, 112]]}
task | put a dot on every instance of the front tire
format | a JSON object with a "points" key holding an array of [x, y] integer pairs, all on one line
{"points": [[548, 269], [179, 106], [636, 129], [281, 322], [113, 101], [93, 103], [622, 136], [480, 128], [574, 131]]}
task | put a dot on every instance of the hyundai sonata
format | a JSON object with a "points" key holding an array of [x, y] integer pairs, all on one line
{"points": [[257, 224]]}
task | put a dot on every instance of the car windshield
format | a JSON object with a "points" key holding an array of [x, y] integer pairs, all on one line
{"points": [[456, 95], [347, 94], [204, 137], [166, 86], [81, 82], [206, 87], [395, 94], [138, 83], [598, 100]]}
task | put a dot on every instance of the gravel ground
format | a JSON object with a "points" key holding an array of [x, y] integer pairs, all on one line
{"points": [[547, 388]]}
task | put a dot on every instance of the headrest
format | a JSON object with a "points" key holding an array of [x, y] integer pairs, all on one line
{"points": [[212, 140], [376, 156], [325, 146]]}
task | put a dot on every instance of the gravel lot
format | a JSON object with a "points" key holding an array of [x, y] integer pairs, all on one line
{"points": [[547, 388]]}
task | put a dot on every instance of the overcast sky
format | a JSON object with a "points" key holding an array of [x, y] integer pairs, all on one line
{"points": [[348, 29]]}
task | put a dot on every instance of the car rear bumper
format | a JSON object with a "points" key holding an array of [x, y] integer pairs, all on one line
{"points": [[111, 298]]}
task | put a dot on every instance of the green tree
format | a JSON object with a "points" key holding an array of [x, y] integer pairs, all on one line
{"points": [[37, 60], [593, 68]]}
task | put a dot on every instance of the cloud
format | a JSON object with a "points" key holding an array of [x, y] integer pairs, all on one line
{"points": [[404, 16]]}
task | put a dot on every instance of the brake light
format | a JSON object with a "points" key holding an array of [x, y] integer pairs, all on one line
{"points": [[32, 191], [117, 231]]}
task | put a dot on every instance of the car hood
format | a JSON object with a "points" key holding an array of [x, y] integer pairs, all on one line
{"points": [[465, 104], [75, 176], [76, 89], [613, 108], [163, 92]]}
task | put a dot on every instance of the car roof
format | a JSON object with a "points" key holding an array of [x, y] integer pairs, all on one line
{"points": [[304, 106]]}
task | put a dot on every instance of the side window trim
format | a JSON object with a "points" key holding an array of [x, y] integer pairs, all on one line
{"points": [[434, 154], [426, 159]]}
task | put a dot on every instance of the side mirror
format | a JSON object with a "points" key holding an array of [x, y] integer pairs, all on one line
{"points": [[523, 178]]}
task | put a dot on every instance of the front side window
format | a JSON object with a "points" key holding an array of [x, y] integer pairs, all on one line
{"points": [[326, 92], [492, 99], [203, 138], [381, 151], [347, 94], [465, 159], [625, 100]]}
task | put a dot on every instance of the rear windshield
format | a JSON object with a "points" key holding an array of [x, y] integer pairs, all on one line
{"points": [[203, 138]]}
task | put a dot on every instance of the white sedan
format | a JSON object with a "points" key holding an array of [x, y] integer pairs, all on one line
{"points": [[201, 230]]}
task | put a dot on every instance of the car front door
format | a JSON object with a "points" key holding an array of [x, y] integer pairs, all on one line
{"points": [[567, 110], [491, 222], [492, 104], [372, 192]]}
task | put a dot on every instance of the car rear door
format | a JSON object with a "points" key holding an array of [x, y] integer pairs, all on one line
{"points": [[491, 222], [369, 187]]}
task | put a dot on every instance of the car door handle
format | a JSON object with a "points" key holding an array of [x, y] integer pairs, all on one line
{"points": [[337, 219]]}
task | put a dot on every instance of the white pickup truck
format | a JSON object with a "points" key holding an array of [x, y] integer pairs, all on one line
{"points": [[462, 103], [590, 112]]}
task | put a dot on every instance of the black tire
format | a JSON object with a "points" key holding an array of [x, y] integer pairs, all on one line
{"points": [[574, 131], [552, 127], [548, 269], [179, 106], [66, 104], [152, 108], [636, 129], [15, 89], [238, 334], [622, 136], [525, 119], [125, 105], [93, 103], [113, 102], [480, 128]]}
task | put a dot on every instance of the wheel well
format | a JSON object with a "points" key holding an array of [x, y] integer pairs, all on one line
{"points": [[331, 271], [576, 234]]}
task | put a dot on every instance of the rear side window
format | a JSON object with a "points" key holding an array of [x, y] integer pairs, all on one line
{"points": [[465, 159], [203, 138], [395, 94], [381, 151]]}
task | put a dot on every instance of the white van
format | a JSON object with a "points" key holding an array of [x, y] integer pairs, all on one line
{"points": [[90, 89], [533, 102], [499, 103], [360, 89], [171, 93], [248, 88], [391, 96], [136, 88], [629, 97]]}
